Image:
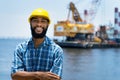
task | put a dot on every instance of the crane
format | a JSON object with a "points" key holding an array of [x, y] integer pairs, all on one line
{"points": [[101, 33], [73, 30], [93, 9], [75, 13]]}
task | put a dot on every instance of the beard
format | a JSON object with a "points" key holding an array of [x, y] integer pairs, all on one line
{"points": [[38, 35]]}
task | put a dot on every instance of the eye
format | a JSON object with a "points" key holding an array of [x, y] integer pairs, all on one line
{"points": [[43, 21], [35, 21]]}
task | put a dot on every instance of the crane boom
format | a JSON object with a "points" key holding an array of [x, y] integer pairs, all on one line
{"points": [[75, 13], [94, 8]]}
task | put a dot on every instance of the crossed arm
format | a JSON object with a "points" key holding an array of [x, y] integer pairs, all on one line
{"points": [[23, 75]]}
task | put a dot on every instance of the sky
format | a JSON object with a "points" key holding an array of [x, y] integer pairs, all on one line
{"points": [[14, 14]]}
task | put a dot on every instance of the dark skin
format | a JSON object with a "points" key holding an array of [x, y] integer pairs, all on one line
{"points": [[24, 75], [39, 23]]}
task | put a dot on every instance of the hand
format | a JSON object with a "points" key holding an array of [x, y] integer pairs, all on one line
{"points": [[47, 76]]}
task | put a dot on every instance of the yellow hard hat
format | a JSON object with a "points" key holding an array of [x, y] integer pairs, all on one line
{"points": [[39, 12]]}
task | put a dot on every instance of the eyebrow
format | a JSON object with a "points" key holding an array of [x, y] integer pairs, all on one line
{"points": [[41, 17], [36, 18]]}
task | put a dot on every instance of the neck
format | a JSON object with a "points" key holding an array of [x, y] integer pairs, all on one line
{"points": [[38, 41]]}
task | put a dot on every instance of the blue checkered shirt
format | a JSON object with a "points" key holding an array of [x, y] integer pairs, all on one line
{"points": [[47, 57]]}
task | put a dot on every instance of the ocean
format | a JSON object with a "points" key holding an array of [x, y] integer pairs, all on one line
{"points": [[79, 64]]}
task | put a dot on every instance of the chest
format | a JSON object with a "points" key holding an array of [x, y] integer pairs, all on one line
{"points": [[38, 59]]}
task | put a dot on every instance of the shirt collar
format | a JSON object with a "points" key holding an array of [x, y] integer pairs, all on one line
{"points": [[46, 41]]}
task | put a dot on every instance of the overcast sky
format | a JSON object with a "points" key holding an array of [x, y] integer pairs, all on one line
{"points": [[14, 14]]}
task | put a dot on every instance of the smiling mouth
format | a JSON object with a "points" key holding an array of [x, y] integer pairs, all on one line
{"points": [[38, 30]]}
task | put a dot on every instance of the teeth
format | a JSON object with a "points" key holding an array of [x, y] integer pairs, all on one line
{"points": [[38, 29]]}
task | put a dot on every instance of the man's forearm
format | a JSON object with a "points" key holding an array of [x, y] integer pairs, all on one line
{"points": [[23, 75]]}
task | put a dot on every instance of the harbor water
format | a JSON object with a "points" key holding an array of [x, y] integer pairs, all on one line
{"points": [[79, 64]]}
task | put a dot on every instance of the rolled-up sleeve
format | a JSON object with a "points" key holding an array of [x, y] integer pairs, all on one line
{"points": [[58, 63], [17, 62]]}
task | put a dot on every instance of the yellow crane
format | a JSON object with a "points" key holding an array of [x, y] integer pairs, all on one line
{"points": [[73, 29]]}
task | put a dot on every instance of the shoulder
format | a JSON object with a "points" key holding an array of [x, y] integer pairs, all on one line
{"points": [[54, 47], [50, 42], [23, 45]]}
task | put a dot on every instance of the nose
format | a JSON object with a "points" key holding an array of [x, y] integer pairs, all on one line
{"points": [[39, 24]]}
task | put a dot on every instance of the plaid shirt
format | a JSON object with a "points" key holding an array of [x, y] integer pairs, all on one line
{"points": [[47, 57]]}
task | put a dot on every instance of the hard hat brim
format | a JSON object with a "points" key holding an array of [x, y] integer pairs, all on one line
{"points": [[29, 19]]}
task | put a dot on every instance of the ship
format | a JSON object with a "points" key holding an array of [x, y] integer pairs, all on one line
{"points": [[78, 33]]}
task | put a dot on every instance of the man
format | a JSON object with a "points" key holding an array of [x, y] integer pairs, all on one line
{"points": [[38, 58]]}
